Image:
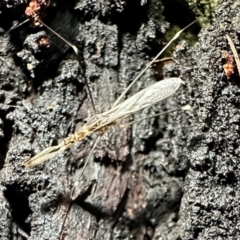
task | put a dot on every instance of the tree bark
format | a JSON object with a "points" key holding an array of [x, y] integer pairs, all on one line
{"points": [[170, 177]]}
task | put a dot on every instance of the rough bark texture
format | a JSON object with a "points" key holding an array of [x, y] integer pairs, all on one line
{"points": [[171, 177]]}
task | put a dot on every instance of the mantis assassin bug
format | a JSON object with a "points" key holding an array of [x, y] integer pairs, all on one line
{"points": [[101, 122]]}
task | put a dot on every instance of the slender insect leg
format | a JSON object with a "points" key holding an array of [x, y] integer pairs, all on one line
{"points": [[76, 51], [73, 194], [150, 63]]}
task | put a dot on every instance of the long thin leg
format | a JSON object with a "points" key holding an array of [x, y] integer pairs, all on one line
{"points": [[65, 218], [72, 194], [154, 59], [76, 51]]}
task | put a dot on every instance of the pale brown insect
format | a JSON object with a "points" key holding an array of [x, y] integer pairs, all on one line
{"points": [[101, 122]]}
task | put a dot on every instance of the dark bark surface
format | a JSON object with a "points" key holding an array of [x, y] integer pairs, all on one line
{"points": [[170, 177]]}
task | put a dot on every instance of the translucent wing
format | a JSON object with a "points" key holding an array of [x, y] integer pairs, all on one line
{"points": [[145, 98]]}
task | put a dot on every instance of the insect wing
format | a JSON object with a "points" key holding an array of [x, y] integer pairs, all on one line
{"points": [[145, 98]]}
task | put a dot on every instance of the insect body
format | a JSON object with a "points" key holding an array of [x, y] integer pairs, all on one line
{"points": [[101, 122]]}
